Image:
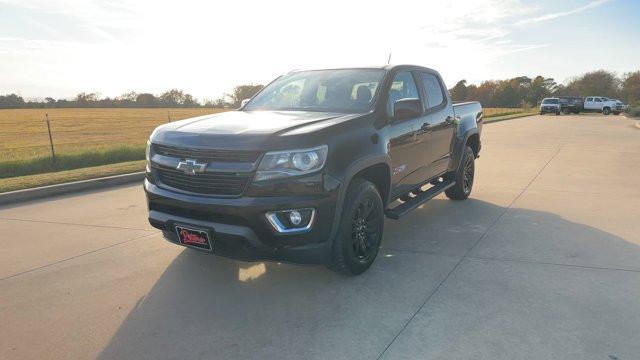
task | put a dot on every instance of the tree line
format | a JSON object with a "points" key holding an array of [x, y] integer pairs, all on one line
{"points": [[173, 98], [524, 91], [521, 91]]}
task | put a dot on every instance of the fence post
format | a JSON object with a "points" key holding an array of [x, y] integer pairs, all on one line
{"points": [[53, 153], [169, 115]]}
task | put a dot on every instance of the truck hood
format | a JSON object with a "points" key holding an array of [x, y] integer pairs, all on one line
{"points": [[243, 129]]}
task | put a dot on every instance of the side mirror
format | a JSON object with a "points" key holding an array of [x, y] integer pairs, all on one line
{"points": [[244, 102], [407, 108]]}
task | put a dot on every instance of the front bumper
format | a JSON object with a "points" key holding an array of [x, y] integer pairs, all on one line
{"points": [[551, 109], [239, 227]]}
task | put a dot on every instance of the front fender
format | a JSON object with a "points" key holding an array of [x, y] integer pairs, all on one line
{"points": [[349, 174]]}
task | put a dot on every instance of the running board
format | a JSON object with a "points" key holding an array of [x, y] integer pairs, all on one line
{"points": [[404, 208]]}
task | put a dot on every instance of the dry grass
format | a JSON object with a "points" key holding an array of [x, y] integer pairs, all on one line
{"points": [[493, 112], [23, 132]]}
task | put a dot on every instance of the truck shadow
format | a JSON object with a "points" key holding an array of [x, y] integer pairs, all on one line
{"points": [[209, 307]]}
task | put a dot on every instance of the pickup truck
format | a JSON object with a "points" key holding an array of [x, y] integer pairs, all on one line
{"points": [[571, 104], [602, 105], [550, 105], [307, 170]]}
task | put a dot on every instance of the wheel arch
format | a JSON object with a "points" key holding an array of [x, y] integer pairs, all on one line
{"points": [[375, 168]]}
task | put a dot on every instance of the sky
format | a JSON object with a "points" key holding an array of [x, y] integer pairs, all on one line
{"points": [[59, 48]]}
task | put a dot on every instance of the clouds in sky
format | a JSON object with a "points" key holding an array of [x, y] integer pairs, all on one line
{"points": [[61, 47]]}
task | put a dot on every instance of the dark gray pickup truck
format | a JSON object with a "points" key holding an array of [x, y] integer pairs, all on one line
{"points": [[306, 170]]}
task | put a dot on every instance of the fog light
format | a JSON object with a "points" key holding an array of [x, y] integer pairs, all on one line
{"points": [[291, 221], [295, 217]]}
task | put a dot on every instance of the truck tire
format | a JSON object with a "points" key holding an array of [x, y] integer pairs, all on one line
{"points": [[606, 111], [359, 236], [566, 111], [558, 112], [463, 177], [616, 113]]}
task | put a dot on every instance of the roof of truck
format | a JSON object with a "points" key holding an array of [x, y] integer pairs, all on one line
{"points": [[383, 67]]}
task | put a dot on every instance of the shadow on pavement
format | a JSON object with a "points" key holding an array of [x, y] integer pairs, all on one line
{"points": [[210, 307]]}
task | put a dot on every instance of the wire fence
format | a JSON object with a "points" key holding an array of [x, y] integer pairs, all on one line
{"points": [[36, 133]]}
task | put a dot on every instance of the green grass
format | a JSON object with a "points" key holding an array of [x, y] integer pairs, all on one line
{"points": [[60, 177], [71, 160]]}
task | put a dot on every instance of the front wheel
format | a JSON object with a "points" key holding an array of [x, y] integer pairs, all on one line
{"points": [[606, 111], [463, 177], [359, 236]]}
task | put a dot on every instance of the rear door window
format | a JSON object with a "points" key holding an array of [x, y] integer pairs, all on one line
{"points": [[433, 90]]}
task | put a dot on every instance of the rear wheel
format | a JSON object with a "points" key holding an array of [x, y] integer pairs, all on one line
{"points": [[463, 177], [360, 231], [566, 111], [616, 113]]}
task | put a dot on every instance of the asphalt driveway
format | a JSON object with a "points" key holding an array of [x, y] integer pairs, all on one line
{"points": [[543, 261]]}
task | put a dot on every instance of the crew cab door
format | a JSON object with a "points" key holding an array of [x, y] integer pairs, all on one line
{"points": [[408, 140], [593, 103], [440, 123]]}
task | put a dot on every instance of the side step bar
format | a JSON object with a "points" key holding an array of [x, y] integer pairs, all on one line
{"points": [[404, 208]]}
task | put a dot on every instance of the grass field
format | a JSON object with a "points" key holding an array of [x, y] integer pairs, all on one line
{"points": [[81, 137], [92, 137]]}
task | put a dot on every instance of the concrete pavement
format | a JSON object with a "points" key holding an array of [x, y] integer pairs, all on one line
{"points": [[543, 261]]}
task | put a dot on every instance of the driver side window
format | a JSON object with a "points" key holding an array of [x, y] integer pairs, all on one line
{"points": [[402, 87]]}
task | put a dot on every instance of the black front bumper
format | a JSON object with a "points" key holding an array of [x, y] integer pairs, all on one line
{"points": [[239, 227], [551, 109]]}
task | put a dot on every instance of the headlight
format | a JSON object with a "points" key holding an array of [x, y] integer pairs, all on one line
{"points": [[147, 155], [280, 164]]}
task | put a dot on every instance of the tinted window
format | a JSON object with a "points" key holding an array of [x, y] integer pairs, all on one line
{"points": [[402, 87], [598, 100], [432, 89], [348, 90], [589, 99], [550, 101]]}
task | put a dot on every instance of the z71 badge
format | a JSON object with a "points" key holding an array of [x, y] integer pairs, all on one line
{"points": [[398, 169]]}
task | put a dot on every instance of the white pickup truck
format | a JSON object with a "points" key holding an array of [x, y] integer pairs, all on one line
{"points": [[602, 105]]}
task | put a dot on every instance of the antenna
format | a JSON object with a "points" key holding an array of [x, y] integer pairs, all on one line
{"points": [[389, 59]]}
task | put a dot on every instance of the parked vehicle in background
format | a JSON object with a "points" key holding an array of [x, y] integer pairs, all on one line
{"points": [[602, 105], [571, 104], [307, 169], [550, 105], [620, 105]]}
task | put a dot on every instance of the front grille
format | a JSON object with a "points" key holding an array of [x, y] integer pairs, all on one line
{"points": [[226, 184], [207, 155]]}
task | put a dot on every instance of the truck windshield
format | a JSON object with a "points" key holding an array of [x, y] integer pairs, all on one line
{"points": [[550, 101], [347, 90]]}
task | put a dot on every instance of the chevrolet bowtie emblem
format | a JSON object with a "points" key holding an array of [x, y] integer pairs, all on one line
{"points": [[191, 167]]}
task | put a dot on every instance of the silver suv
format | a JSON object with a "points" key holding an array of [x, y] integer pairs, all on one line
{"points": [[550, 105]]}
